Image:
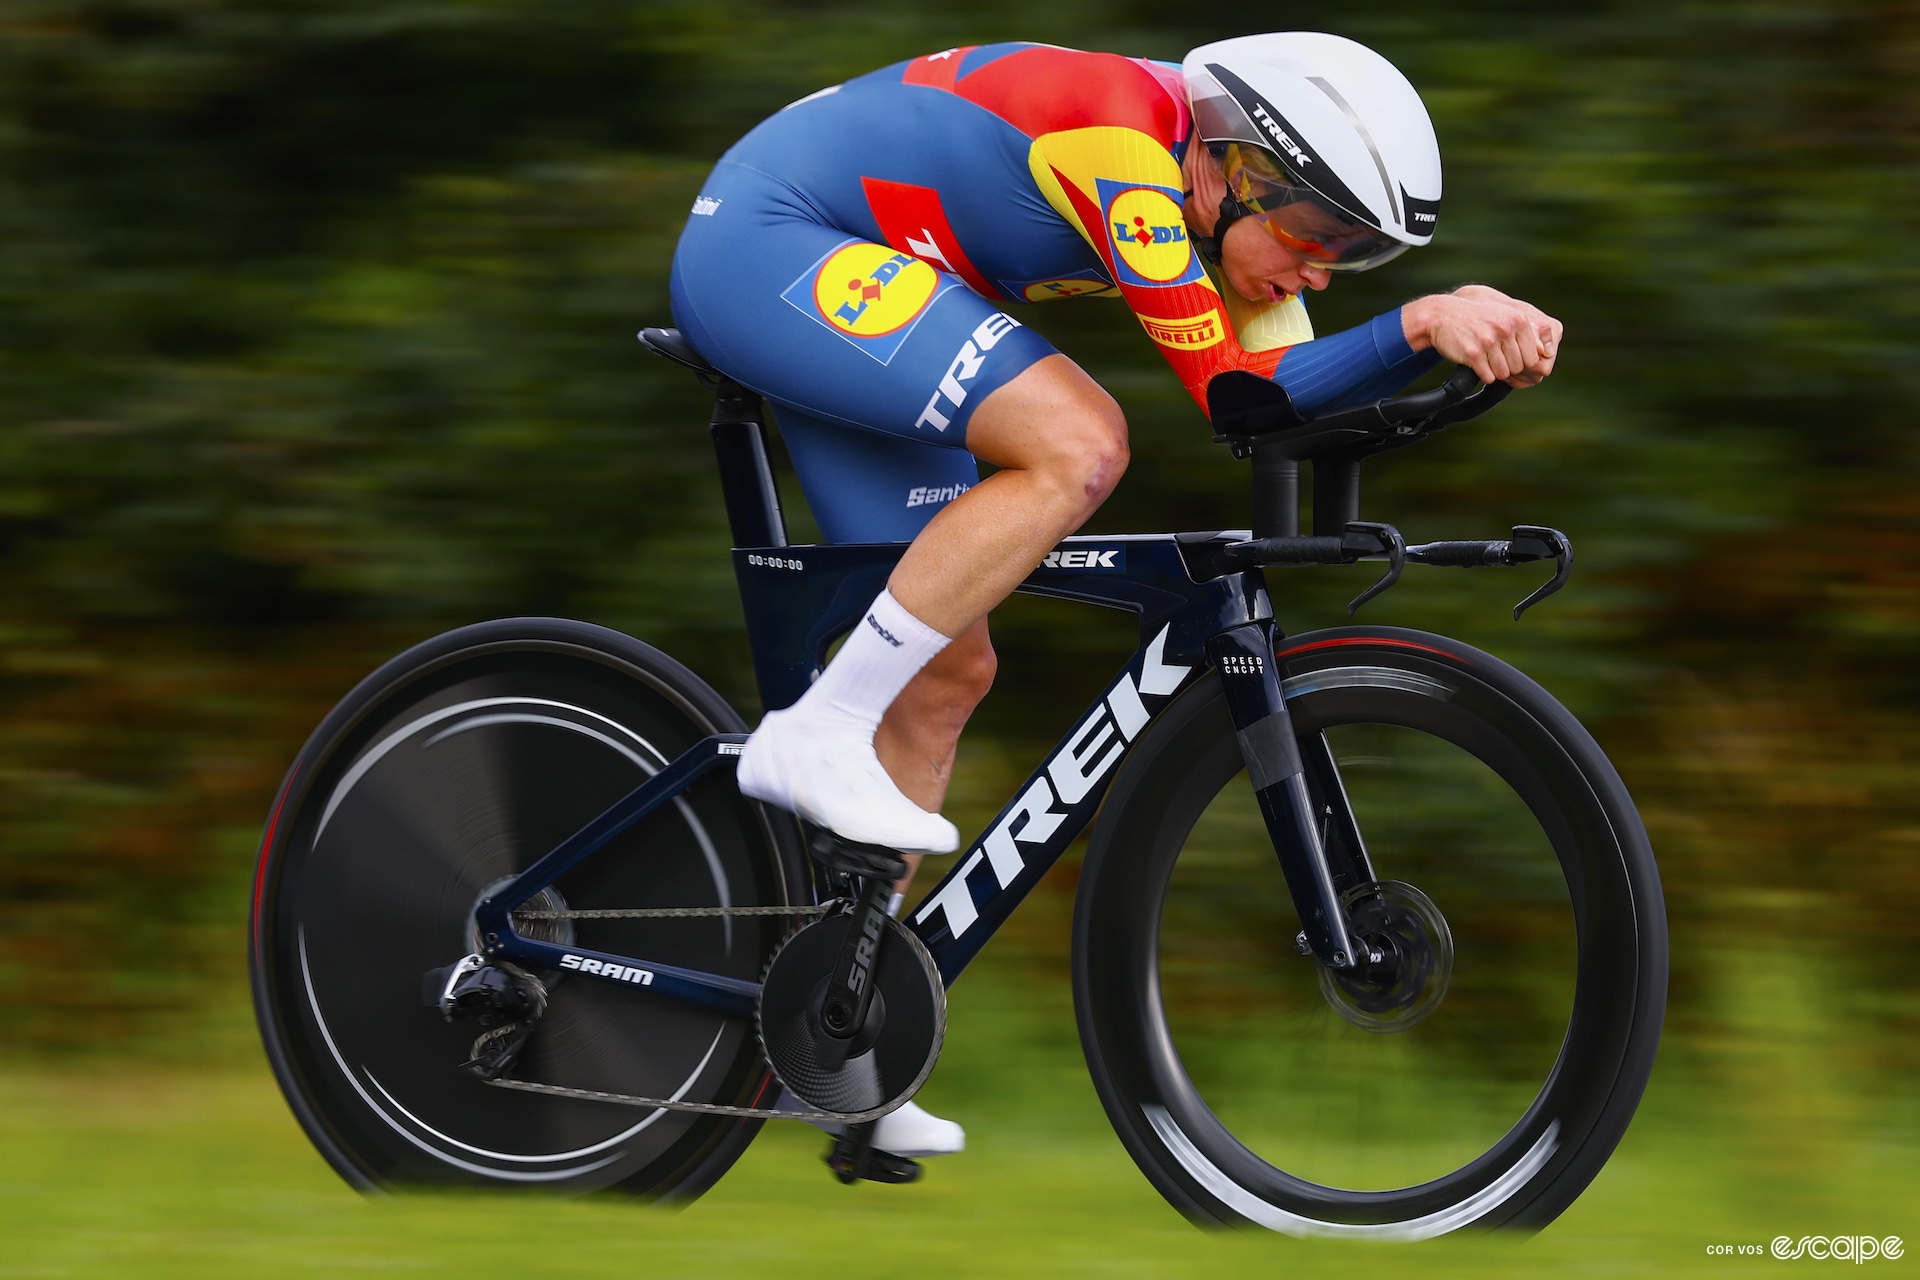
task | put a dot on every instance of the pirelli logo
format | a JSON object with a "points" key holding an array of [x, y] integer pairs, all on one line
{"points": [[1190, 334]]}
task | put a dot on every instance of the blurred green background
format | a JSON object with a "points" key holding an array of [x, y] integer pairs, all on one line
{"points": [[316, 331]]}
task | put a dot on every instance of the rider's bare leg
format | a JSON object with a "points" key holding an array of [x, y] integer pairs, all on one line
{"points": [[916, 739], [1060, 444]]}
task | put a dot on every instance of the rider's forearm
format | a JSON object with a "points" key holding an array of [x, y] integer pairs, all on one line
{"points": [[1355, 365]]}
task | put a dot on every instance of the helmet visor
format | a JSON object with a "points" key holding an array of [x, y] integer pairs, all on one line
{"points": [[1303, 221]]}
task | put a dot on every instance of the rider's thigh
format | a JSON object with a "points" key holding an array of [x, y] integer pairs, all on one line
{"points": [[864, 486], [837, 326], [1057, 420]]}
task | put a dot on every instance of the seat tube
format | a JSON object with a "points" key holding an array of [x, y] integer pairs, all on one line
{"points": [[746, 477], [1243, 660]]}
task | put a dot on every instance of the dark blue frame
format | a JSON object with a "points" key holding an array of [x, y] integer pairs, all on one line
{"points": [[799, 600]]}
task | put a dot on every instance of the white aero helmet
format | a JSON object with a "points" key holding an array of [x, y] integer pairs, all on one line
{"points": [[1322, 140]]}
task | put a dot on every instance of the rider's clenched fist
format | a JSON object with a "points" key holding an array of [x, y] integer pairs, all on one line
{"points": [[1502, 339]]}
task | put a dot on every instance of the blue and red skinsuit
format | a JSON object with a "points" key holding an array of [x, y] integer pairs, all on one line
{"points": [[849, 259]]}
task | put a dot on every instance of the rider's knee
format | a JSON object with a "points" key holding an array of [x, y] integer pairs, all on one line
{"points": [[1091, 452]]}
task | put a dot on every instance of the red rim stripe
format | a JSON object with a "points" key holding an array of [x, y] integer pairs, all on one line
{"points": [[266, 848], [1377, 641]]}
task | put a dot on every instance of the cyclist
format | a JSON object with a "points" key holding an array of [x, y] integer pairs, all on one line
{"points": [[849, 260]]}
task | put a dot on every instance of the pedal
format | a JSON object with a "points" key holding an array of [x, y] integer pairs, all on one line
{"points": [[850, 857], [853, 1159]]}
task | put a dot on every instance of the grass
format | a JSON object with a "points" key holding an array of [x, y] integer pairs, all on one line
{"points": [[164, 1172]]}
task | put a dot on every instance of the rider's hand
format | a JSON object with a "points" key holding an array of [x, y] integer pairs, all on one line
{"points": [[1501, 339]]}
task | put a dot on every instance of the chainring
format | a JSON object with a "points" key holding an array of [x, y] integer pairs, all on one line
{"points": [[891, 1056], [1415, 947]]}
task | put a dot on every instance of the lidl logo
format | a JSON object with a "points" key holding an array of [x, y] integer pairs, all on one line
{"points": [[1048, 290], [869, 294], [869, 290], [1149, 234], [1189, 334], [1089, 283]]}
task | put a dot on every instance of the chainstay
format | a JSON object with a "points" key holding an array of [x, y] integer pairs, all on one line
{"points": [[675, 1104], [671, 913]]}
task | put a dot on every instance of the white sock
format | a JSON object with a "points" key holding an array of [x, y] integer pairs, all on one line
{"points": [[885, 650]]}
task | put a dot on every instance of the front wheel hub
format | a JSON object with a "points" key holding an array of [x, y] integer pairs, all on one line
{"points": [[1405, 978]]}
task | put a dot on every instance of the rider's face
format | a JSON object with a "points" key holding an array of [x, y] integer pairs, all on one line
{"points": [[1261, 269]]}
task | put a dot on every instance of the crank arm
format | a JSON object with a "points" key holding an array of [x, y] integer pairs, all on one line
{"points": [[849, 995]]}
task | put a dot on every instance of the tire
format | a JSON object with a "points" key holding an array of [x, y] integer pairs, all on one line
{"points": [[453, 767], [1239, 1089]]}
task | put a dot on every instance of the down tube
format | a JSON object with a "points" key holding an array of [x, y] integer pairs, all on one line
{"points": [[997, 871]]}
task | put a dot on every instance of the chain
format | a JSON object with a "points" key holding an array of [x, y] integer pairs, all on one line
{"points": [[675, 1104], [670, 913]]}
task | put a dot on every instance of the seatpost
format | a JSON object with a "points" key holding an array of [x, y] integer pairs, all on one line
{"points": [[1276, 492], [746, 477]]}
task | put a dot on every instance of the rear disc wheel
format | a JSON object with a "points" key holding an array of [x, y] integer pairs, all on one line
{"points": [[444, 774]]}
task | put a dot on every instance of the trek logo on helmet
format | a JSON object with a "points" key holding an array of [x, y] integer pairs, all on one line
{"points": [[1285, 139]]}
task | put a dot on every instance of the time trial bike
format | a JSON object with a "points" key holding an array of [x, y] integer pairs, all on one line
{"points": [[1368, 940]]}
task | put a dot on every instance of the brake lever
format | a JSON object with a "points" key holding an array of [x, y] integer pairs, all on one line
{"points": [[1369, 539], [1537, 542]]}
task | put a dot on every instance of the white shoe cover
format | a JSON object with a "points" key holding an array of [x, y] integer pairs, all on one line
{"points": [[911, 1131], [829, 775], [916, 1133]]}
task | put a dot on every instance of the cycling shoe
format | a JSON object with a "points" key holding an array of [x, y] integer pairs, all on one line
{"points": [[911, 1131], [829, 775], [916, 1133]]}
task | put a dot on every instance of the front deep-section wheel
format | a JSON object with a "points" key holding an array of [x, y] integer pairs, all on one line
{"points": [[1482, 1072], [444, 774]]}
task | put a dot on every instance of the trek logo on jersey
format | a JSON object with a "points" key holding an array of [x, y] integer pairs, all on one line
{"points": [[1190, 334], [1063, 793], [617, 972], [1148, 233], [868, 294], [1086, 558], [952, 391]]}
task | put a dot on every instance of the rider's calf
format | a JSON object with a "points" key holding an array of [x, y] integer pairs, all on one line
{"points": [[916, 738]]}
